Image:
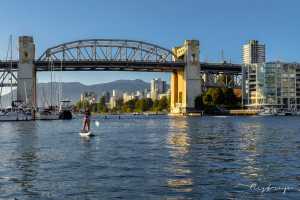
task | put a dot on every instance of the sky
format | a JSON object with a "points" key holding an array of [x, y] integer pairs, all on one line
{"points": [[217, 24]]}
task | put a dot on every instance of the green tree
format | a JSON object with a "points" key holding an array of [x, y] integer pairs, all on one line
{"points": [[93, 107], [199, 102], [78, 105], [207, 99], [163, 104], [149, 104], [155, 106], [217, 96], [129, 106], [119, 104], [81, 105], [102, 105], [229, 97], [141, 105], [224, 79]]}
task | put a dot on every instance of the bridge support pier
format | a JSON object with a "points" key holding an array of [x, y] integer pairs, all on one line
{"points": [[186, 84], [26, 90]]}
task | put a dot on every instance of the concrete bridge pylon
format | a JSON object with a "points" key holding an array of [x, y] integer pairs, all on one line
{"points": [[186, 83], [26, 88]]}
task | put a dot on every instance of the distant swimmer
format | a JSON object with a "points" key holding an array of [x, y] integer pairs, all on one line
{"points": [[86, 121]]}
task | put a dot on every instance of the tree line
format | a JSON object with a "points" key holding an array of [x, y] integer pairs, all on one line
{"points": [[210, 101], [134, 105], [217, 97]]}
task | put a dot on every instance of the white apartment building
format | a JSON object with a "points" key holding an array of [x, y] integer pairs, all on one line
{"points": [[158, 86], [254, 52]]}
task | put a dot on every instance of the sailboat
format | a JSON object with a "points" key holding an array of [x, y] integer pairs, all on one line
{"points": [[48, 112], [65, 107], [17, 111]]}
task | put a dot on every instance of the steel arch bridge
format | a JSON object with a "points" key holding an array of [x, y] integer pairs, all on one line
{"points": [[187, 77], [108, 54]]}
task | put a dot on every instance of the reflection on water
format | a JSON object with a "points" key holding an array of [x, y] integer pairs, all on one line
{"points": [[178, 139], [248, 144], [24, 160], [154, 157], [178, 143]]}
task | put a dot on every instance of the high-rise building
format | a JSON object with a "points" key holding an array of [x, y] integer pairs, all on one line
{"points": [[91, 97], [158, 86], [116, 93], [254, 52], [106, 95]]}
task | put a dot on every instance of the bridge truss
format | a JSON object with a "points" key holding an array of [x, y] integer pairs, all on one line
{"points": [[108, 54], [224, 75], [8, 79], [221, 80]]}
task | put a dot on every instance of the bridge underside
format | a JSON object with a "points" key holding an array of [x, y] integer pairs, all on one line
{"points": [[140, 66], [87, 65], [210, 72]]}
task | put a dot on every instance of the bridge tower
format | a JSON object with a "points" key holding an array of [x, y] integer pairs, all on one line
{"points": [[186, 83], [26, 91]]}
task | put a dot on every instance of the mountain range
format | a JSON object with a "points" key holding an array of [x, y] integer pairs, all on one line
{"points": [[73, 90]]}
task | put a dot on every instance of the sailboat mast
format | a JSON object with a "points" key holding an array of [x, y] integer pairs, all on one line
{"points": [[11, 71], [61, 92], [51, 85]]}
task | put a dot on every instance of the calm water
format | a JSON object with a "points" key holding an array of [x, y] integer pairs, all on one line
{"points": [[152, 158]]}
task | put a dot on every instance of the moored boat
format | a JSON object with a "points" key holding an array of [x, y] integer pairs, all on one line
{"points": [[47, 114], [15, 113], [65, 110]]}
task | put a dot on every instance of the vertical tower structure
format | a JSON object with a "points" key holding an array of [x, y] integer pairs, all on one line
{"points": [[26, 91], [186, 83]]}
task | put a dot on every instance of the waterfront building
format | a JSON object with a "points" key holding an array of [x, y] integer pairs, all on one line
{"points": [[254, 52], [112, 102], [106, 95], [127, 97], [91, 97], [167, 94], [148, 95], [139, 95], [158, 86], [273, 84], [116, 93], [164, 95]]}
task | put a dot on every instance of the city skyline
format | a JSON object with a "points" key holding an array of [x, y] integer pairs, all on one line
{"points": [[95, 20]]}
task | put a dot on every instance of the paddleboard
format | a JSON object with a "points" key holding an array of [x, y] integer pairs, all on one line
{"points": [[86, 134]]}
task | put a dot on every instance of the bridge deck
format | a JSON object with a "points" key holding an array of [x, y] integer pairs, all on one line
{"points": [[86, 65], [221, 67], [142, 66]]}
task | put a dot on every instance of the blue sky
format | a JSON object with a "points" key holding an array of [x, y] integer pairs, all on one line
{"points": [[218, 24]]}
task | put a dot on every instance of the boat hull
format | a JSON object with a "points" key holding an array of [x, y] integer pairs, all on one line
{"points": [[65, 115]]}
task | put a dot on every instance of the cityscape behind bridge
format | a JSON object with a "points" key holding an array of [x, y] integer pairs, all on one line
{"points": [[189, 76]]}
